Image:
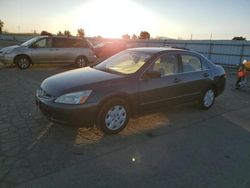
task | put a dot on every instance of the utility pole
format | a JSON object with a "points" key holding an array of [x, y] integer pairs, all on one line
{"points": [[211, 36], [191, 37]]}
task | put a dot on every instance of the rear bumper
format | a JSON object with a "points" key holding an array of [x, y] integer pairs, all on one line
{"points": [[75, 115], [221, 84]]}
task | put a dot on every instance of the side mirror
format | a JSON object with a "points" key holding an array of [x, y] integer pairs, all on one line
{"points": [[34, 46], [152, 74]]}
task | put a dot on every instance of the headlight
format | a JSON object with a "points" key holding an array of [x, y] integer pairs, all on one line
{"points": [[7, 52], [74, 98]]}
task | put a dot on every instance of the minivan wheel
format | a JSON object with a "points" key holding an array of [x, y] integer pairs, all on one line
{"points": [[207, 99], [23, 62], [114, 116], [81, 62]]}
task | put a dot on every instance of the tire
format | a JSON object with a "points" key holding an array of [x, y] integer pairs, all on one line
{"points": [[207, 99], [23, 62], [113, 116], [81, 62]]}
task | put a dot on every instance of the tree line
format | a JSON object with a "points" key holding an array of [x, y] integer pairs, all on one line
{"points": [[142, 35], [81, 33]]}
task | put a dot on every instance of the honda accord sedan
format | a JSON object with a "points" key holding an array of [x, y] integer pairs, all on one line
{"points": [[127, 84]]}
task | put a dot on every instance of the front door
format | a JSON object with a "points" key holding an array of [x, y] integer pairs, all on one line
{"points": [[154, 92], [41, 51]]}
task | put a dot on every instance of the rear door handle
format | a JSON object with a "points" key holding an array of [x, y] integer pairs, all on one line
{"points": [[206, 75], [177, 80]]}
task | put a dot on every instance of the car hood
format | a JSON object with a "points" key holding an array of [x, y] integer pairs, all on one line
{"points": [[76, 80], [8, 49]]}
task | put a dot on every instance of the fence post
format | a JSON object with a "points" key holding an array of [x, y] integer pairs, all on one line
{"points": [[185, 45], [210, 50], [165, 43], [242, 53]]}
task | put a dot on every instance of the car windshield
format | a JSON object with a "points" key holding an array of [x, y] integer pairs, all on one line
{"points": [[126, 62], [31, 41]]}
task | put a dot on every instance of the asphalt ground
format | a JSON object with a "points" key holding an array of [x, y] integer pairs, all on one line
{"points": [[175, 147]]}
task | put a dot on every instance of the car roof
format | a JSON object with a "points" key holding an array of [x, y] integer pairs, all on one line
{"points": [[156, 49], [63, 37]]}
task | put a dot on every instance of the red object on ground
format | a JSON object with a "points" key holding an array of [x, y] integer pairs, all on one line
{"points": [[241, 74]]}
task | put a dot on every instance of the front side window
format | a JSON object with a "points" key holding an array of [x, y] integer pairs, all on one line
{"points": [[191, 63], [43, 43], [127, 62], [166, 64], [30, 42]]}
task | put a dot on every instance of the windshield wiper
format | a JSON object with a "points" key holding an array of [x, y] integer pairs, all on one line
{"points": [[111, 71]]}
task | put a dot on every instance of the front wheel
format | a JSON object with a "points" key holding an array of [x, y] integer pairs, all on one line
{"points": [[23, 62], [114, 116], [81, 62], [207, 99]]}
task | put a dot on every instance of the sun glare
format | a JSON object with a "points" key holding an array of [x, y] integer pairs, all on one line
{"points": [[112, 18]]}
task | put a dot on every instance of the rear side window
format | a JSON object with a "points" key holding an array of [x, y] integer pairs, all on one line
{"points": [[205, 65], [191, 63], [59, 43], [77, 43]]}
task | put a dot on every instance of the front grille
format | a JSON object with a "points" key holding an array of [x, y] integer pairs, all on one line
{"points": [[40, 93]]}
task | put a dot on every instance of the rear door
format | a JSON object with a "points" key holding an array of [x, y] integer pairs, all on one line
{"points": [[68, 49], [154, 92], [193, 76], [61, 50], [77, 47]]}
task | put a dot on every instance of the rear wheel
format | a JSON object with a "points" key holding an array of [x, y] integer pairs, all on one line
{"points": [[81, 62], [207, 99], [23, 62], [114, 116]]}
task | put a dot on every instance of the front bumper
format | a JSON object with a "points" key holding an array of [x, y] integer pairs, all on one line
{"points": [[75, 115], [6, 59]]}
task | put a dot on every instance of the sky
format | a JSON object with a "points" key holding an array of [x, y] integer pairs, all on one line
{"points": [[179, 19]]}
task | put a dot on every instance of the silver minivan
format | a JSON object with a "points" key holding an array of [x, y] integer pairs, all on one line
{"points": [[49, 49]]}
